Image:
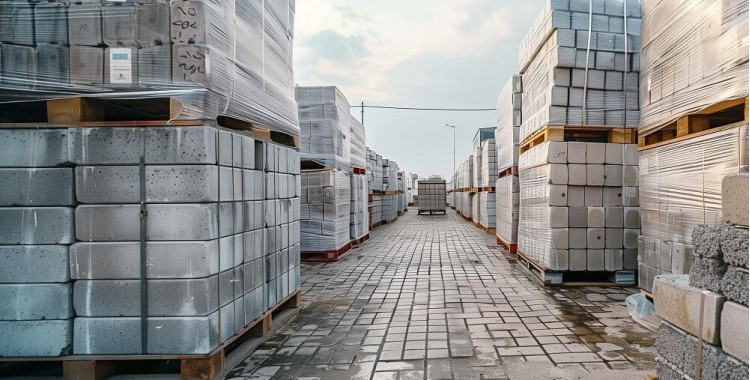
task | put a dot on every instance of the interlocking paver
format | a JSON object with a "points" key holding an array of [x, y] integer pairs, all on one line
{"points": [[434, 297]]}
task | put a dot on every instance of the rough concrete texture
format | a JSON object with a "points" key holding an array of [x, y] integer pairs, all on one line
{"points": [[734, 198], [33, 147], [670, 343], [734, 285], [707, 240], [712, 357], [707, 273], [33, 263], [734, 246], [734, 330], [666, 371], [36, 225], [36, 187], [35, 301], [679, 303], [35, 338], [732, 369]]}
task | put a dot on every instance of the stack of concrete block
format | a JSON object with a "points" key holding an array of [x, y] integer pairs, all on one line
{"points": [[507, 137], [401, 196], [374, 171], [485, 200], [389, 200], [463, 181], [358, 226], [358, 144], [431, 195], [36, 228], [578, 207], [197, 52], [326, 127], [325, 209], [214, 200], [579, 63], [666, 245], [487, 209]]}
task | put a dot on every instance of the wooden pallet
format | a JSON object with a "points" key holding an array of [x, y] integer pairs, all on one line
{"points": [[488, 230], [570, 279], [389, 221], [431, 212], [511, 247], [393, 192], [326, 256], [84, 112], [358, 170], [648, 294], [357, 242], [513, 170], [603, 134], [376, 225], [189, 367], [486, 189], [720, 116]]}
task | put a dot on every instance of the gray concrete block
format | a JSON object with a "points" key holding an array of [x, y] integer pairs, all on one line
{"points": [[632, 217], [121, 260], [36, 338], [631, 155], [611, 196], [51, 23], [576, 196], [558, 195], [576, 152], [707, 273], [166, 298], [630, 175], [165, 222], [613, 238], [595, 217], [646, 275], [577, 238], [595, 153], [734, 198], [155, 64], [559, 238], [36, 187], [558, 174], [613, 259], [614, 217], [734, 285], [86, 65], [630, 259], [558, 217], [119, 25], [577, 259], [682, 258], [578, 217], [613, 175], [630, 238], [577, 174], [52, 63], [711, 358], [595, 175], [35, 301], [593, 196], [734, 330], [33, 147], [734, 246], [679, 303], [595, 259], [595, 238], [36, 225], [732, 369], [33, 263], [18, 65], [670, 343], [18, 21], [152, 24], [613, 154], [84, 24], [630, 196]]}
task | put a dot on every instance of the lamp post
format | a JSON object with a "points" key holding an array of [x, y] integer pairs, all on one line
{"points": [[454, 148]]}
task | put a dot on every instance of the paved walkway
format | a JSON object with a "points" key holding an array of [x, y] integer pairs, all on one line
{"points": [[432, 297]]}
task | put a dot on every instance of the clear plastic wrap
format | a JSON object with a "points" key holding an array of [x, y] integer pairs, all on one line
{"points": [[217, 58], [489, 164], [358, 155], [431, 195], [325, 208], [507, 134], [374, 171], [326, 126], [680, 188], [585, 73], [694, 54], [487, 209], [390, 175], [358, 226], [506, 198]]}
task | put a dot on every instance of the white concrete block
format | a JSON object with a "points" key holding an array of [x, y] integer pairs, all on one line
{"points": [[557, 152], [595, 217], [576, 152], [595, 153], [576, 195], [558, 195], [558, 174], [595, 238], [614, 217], [613, 154], [630, 175], [734, 199], [593, 196], [577, 174], [630, 239], [612, 175], [577, 238], [613, 259], [557, 259], [611, 196], [595, 259], [734, 330], [630, 154], [595, 175], [613, 238], [558, 217], [630, 196], [577, 259], [559, 238], [632, 217], [679, 304]]}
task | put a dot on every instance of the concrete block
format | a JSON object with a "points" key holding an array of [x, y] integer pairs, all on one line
{"points": [[611, 196], [630, 238], [614, 217], [18, 64], [670, 343], [577, 259], [595, 153], [682, 258], [559, 238], [36, 225], [679, 303], [613, 154], [630, 154], [707, 273], [577, 174], [732, 369], [35, 301], [632, 217], [613, 238], [120, 298], [646, 275], [557, 152], [165, 222], [595, 217], [734, 246], [36, 187], [630, 175], [630, 259], [576, 196], [707, 240], [558, 217], [576, 152], [558, 174], [577, 217], [734, 330], [35, 338], [630, 196], [154, 64], [734, 198], [595, 259], [558, 195], [152, 24], [711, 358], [612, 175], [86, 65], [665, 371], [593, 196], [595, 175], [51, 23], [33, 147], [734, 285], [119, 25], [33, 263], [595, 238], [577, 238], [52, 63], [121, 260], [85, 24], [613, 259]]}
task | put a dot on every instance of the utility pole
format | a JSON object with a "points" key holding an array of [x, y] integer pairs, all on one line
{"points": [[454, 148], [362, 114]]}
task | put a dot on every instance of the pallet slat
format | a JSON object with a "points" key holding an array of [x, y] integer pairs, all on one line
{"points": [[607, 134]]}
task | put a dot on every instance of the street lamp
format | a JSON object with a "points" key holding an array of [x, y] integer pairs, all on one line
{"points": [[454, 148]]}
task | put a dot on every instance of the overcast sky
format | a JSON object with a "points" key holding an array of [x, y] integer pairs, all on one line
{"points": [[415, 53]]}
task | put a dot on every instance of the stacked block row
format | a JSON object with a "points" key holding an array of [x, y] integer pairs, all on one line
{"points": [[358, 218], [507, 138], [431, 195], [326, 204]]}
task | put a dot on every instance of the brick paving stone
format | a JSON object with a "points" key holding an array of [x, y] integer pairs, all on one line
{"points": [[434, 298]]}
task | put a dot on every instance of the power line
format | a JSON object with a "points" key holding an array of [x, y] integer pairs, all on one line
{"points": [[428, 109]]}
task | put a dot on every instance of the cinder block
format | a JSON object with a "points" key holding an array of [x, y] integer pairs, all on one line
{"points": [[595, 238], [36, 187], [611, 196], [85, 24], [595, 217], [613, 175], [33, 263], [734, 246], [595, 153], [119, 25], [593, 196], [558, 195], [18, 64], [35, 301], [630, 238], [734, 285], [711, 358], [576, 196], [51, 23], [559, 238], [613, 154], [576, 152], [670, 344], [577, 238], [33, 147], [594, 175], [558, 217], [734, 199], [152, 24], [52, 63], [577, 174], [630, 259], [613, 238], [707, 240], [86, 65], [36, 338], [679, 303], [36, 225], [732, 369], [595, 259], [630, 196], [614, 217], [734, 330], [630, 175], [557, 259], [577, 259]]}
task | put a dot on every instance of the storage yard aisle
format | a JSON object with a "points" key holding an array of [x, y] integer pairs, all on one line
{"points": [[432, 297]]}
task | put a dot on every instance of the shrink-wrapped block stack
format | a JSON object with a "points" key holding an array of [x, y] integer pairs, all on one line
{"points": [[484, 178], [389, 201], [431, 195], [374, 171], [358, 217], [507, 135], [326, 203], [463, 182], [326, 127]]}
